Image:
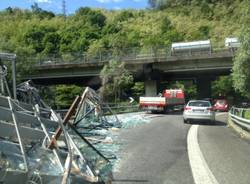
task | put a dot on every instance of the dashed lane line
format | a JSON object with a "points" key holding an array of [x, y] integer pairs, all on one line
{"points": [[200, 170]]}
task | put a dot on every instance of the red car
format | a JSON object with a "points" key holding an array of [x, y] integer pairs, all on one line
{"points": [[221, 105]]}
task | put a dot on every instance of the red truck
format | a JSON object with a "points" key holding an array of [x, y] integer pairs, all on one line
{"points": [[170, 98]]}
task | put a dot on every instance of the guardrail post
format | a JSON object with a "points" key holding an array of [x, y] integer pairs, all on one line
{"points": [[233, 109], [241, 112]]}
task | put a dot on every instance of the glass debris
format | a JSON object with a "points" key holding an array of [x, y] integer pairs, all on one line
{"points": [[25, 136], [39, 147]]}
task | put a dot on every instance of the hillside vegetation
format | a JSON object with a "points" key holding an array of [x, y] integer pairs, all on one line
{"points": [[36, 32]]}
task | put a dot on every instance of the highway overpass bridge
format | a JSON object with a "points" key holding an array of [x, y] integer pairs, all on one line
{"points": [[150, 68]]}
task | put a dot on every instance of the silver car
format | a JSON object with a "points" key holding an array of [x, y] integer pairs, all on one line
{"points": [[198, 110]]}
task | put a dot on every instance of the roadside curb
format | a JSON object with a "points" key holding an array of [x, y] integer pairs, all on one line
{"points": [[243, 133]]}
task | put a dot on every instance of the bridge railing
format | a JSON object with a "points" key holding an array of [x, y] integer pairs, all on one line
{"points": [[103, 56], [124, 55], [241, 117]]}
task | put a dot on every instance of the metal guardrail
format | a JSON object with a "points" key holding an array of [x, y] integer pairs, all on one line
{"points": [[240, 117], [103, 56], [117, 108], [127, 55], [123, 108]]}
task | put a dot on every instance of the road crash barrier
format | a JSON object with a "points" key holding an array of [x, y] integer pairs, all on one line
{"points": [[239, 120]]}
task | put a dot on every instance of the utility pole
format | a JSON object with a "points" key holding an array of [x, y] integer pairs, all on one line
{"points": [[64, 8]]}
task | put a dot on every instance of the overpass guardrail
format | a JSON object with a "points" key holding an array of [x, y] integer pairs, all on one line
{"points": [[241, 117], [128, 55]]}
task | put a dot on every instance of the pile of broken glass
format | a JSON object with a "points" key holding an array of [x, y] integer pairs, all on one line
{"points": [[37, 146]]}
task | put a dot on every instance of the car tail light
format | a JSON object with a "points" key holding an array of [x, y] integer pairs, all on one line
{"points": [[187, 108]]}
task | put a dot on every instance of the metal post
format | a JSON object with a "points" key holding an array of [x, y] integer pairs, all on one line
{"points": [[14, 77], [2, 80], [18, 133]]}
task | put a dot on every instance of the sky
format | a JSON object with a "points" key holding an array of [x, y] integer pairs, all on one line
{"points": [[72, 5]]}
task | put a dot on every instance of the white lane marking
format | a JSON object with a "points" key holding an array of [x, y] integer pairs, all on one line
{"points": [[200, 170]]}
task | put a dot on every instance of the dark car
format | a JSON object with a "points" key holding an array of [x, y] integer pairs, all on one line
{"points": [[221, 105]]}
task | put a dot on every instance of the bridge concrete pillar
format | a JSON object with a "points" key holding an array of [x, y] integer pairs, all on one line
{"points": [[150, 87], [204, 87]]}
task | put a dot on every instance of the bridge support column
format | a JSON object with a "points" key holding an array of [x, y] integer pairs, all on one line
{"points": [[204, 87], [150, 87]]}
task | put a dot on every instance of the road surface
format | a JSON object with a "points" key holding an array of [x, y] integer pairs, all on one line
{"points": [[159, 153]]}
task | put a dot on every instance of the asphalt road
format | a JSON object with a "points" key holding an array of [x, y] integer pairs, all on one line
{"points": [[156, 153], [227, 155]]}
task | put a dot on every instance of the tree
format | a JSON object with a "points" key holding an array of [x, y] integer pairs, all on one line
{"points": [[38, 36], [115, 79], [40, 12], [241, 67], [51, 42], [138, 89], [152, 3], [223, 87], [65, 94], [124, 15], [94, 17]]}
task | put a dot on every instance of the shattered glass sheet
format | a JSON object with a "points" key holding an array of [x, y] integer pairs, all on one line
{"points": [[11, 156], [39, 159], [90, 120], [132, 120], [43, 160], [99, 165], [106, 140]]}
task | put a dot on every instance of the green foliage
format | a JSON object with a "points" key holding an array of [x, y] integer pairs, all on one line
{"points": [[190, 92], [36, 32], [65, 95], [161, 4], [94, 17], [138, 90], [115, 80], [241, 68], [40, 12], [38, 37], [124, 15], [223, 87]]}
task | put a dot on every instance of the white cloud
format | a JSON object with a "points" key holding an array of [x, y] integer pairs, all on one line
{"points": [[44, 1], [109, 1], [41, 1]]}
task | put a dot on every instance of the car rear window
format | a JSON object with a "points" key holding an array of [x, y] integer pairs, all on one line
{"points": [[221, 102], [199, 104]]}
